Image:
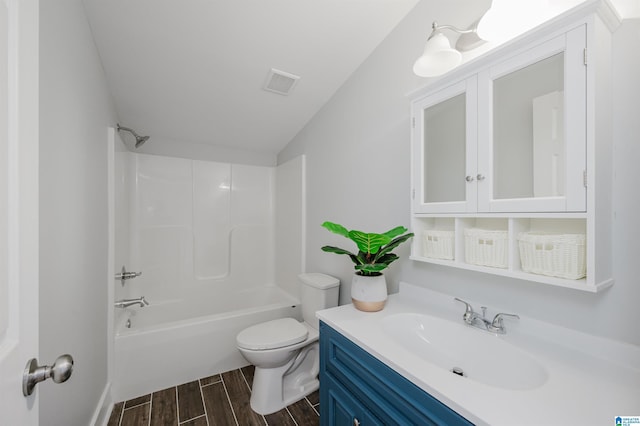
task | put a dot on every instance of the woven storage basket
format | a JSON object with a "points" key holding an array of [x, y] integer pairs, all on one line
{"points": [[486, 247], [437, 244], [557, 255]]}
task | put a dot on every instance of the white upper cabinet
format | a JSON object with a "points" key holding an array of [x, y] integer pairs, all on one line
{"points": [[512, 157], [508, 138]]}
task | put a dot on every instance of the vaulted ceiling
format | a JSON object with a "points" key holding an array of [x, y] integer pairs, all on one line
{"points": [[193, 70]]}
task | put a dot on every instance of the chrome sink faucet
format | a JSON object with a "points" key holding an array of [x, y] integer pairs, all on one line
{"points": [[477, 320], [125, 303]]}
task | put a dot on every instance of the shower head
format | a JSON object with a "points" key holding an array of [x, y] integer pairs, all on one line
{"points": [[139, 139]]}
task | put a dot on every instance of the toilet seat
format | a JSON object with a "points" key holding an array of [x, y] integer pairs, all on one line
{"points": [[272, 334]]}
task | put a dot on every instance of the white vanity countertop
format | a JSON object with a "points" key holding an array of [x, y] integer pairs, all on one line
{"points": [[591, 380]]}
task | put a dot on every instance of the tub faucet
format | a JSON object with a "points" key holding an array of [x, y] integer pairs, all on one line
{"points": [[125, 303]]}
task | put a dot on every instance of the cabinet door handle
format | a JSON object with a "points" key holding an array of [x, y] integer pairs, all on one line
{"points": [[469, 178], [356, 422], [480, 177]]}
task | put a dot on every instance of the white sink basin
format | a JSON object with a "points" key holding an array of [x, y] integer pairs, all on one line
{"points": [[481, 356]]}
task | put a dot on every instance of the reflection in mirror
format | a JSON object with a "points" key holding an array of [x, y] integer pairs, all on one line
{"points": [[445, 151], [528, 131]]}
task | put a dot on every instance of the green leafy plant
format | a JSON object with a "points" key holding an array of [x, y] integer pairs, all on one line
{"points": [[374, 250]]}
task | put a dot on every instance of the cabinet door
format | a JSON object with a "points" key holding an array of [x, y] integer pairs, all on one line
{"points": [[444, 150], [532, 129], [343, 409], [357, 388]]}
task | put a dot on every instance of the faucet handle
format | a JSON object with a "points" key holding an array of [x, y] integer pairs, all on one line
{"points": [[468, 312], [497, 325]]}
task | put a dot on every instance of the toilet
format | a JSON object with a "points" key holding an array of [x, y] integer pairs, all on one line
{"points": [[285, 352]]}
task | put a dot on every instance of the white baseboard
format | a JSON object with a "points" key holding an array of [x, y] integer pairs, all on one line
{"points": [[103, 410]]}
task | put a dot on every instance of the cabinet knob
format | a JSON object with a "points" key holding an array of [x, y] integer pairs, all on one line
{"points": [[469, 178], [356, 422], [480, 177]]}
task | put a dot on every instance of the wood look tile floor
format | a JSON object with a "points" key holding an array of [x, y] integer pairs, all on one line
{"points": [[221, 400]]}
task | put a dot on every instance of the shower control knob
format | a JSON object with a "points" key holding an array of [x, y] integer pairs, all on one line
{"points": [[129, 275], [124, 275], [60, 372]]}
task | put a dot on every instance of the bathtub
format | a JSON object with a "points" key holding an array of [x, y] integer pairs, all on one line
{"points": [[174, 342]]}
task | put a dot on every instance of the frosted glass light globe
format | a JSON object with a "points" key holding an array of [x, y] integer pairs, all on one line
{"points": [[438, 57]]}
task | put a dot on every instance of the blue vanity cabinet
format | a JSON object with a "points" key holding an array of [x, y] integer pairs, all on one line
{"points": [[358, 389]]}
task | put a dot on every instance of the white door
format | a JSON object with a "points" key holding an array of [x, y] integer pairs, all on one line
{"points": [[18, 206]]}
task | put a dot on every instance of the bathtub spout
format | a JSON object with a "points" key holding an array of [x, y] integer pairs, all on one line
{"points": [[125, 303]]}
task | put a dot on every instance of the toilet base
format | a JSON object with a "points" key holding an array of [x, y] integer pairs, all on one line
{"points": [[266, 399], [275, 388]]}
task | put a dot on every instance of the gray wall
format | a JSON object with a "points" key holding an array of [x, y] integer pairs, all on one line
{"points": [[75, 110], [358, 171]]}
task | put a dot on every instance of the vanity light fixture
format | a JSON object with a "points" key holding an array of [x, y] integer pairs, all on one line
{"points": [[438, 56], [506, 19], [489, 26]]}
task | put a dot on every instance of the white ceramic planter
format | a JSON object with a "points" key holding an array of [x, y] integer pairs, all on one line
{"points": [[369, 294]]}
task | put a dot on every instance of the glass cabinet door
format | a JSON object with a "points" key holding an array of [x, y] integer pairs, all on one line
{"points": [[444, 150], [531, 153]]}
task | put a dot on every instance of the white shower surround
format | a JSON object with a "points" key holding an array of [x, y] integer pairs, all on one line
{"points": [[204, 236], [196, 224]]}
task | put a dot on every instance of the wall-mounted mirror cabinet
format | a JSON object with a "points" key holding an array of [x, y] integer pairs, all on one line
{"points": [[505, 146], [509, 139]]}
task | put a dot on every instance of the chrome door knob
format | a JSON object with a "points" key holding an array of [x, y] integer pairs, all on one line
{"points": [[469, 178], [60, 372], [480, 177]]}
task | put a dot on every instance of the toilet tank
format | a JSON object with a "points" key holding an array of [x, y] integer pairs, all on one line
{"points": [[317, 292]]}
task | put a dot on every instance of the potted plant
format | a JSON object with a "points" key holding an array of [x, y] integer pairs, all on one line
{"points": [[369, 287]]}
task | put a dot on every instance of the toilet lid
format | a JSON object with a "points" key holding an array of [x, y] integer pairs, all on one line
{"points": [[272, 334]]}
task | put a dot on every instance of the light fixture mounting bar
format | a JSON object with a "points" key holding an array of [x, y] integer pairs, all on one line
{"points": [[435, 28]]}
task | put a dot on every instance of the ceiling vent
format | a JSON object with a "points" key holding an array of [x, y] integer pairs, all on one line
{"points": [[280, 82]]}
